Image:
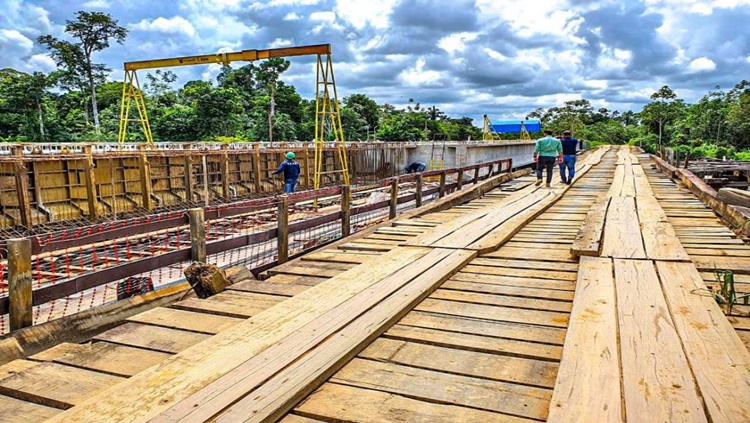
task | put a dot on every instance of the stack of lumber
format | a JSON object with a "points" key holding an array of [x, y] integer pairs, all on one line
{"points": [[642, 345]]}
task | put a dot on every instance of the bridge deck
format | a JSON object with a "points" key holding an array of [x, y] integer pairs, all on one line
{"points": [[475, 313]]}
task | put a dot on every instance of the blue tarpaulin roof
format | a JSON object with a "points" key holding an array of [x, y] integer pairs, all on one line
{"points": [[512, 126]]}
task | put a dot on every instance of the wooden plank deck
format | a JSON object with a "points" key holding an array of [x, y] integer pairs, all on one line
{"points": [[376, 328]]}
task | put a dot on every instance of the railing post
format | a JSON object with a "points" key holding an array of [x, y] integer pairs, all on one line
{"points": [[197, 235], [282, 237], [490, 170], [22, 187], [418, 193], [476, 175], [394, 199], [459, 180], [346, 212], [441, 192], [19, 283], [88, 168]]}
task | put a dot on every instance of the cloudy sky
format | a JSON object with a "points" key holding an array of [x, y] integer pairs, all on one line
{"points": [[502, 58]]}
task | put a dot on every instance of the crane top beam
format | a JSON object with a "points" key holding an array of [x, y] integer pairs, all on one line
{"points": [[226, 58]]}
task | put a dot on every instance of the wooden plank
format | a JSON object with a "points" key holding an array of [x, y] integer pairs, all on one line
{"points": [[711, 263], [524, 264], [52, 384], [335, 402], [717, 356], [531, 273], [338, 258], [516, 281], [622, 239], [524, 292], [297, 372], [651, 352], [467, 363], [358, 246], [659, 238], [642, 186], [541, 254], [734, 196], [507, 398], [185, 320], [297, 280], [584, 391], [484, 327], [117, 360], [231, 304], [589, 237], [259, 287], [142, 396], [18, 411], [628, 181], [468, 342], [504, 314], [153, 338], [501, 300], [618, 179]]}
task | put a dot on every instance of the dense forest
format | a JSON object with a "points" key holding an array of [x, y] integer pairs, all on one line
{"points": [[79, 102]]}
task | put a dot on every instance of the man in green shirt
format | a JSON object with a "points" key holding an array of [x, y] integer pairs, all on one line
{"points": [[548, 150]]}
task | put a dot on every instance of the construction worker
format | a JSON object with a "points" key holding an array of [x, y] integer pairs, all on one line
{"points": [[546, 151], [415, 167], [569, 146], [291, 171]]}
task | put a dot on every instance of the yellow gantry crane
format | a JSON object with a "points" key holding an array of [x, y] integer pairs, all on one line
{"points": [[327, 111]]}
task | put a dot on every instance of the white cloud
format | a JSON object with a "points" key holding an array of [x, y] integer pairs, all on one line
{"points": [[702, 64], [292, 16], [42, 62], [329, 17], [11, 37], [418, 76], [280, 42], [175, 25], [96, 4], [456, 42], [360, 13]]}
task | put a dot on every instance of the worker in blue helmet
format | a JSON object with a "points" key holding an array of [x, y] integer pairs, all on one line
{"points": [[291, 171]]}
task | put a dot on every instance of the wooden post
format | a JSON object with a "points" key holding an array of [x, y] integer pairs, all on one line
{"points": [[224, 167], [256, 168], [306, 153], [145, 174], [283, 229], [418, 193], [197, 235], [346, 213], [476, 175], [22, 189], [441, 192], [188, 177], [206, 192], [394, 200], [490, 171], [459, 180], [19, 283], [88, 168]]}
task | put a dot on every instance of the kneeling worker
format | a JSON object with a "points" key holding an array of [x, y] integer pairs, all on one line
{"points": [[291, 171], [415, 167]]}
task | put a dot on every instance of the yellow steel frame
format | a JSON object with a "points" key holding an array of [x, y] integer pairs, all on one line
{"points": [[327, 111], [328, 115], [487, 133]]}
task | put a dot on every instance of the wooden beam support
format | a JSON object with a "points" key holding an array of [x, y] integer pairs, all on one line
{"points": [[476, 175], [419, 188], [224, 166], [283, 229], [459, 180], [441, 192], [188, 175], [394, 200], [19, 283], [346, 213], [145, 175], [88, 174], [256, 168], [197, 235]]}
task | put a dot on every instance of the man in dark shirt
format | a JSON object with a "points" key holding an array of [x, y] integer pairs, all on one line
{"points": [[569, 146], [415, 167], [291, 171]]}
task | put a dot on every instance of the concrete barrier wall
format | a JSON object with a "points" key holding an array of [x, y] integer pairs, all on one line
{"points": [[456, 154]]}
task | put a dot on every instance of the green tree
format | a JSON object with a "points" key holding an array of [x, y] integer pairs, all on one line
{"points": [[365, 107], [25, 94], [93, 30], [665, 108], [267, 75]]}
